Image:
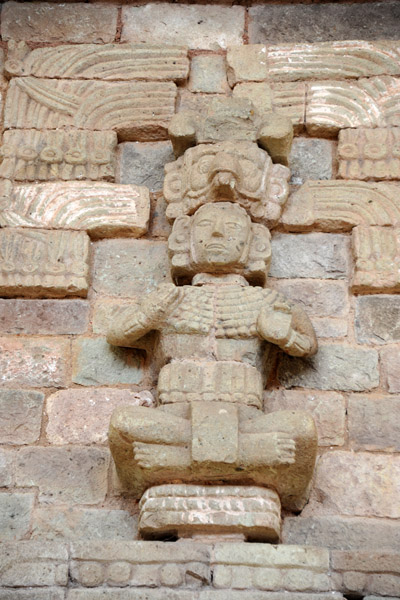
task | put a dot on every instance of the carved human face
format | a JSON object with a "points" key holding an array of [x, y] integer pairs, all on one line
{"points": [[220, 236]]}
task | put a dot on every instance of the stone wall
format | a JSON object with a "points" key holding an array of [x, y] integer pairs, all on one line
{"points": [[85, 113]]}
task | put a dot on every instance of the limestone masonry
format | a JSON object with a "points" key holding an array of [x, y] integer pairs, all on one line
{"points": [[199, 310]]}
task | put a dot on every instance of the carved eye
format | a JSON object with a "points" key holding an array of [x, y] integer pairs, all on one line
{"points": [[204, 164], [205, 223], [232, 225]]}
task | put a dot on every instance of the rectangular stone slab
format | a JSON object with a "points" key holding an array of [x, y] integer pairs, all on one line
{"points": [[108, 62], [137, 111], [102, 209], [43, 264], [215, 427], [31, 155]]}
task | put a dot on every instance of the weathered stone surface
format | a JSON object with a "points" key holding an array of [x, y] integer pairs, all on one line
{"points": [[50, 593], [327, 408], [289, 99], [31, 564], [43, 317], [101, 209], [129, 267], [135, 110], [369, 153], [90, 524], [110, 62], [390, 360], [377, 319], [311, 159], [32, 155], [39, 22], [187, 510], [7, 468], [377, 253], [15, 515], [43, 263], [208, 74], [206, 27], [318, 298], [34, 362], [20, 416], [247, 63], [160, 227], [315, 255], [300, 23], [140, 552], [75, 475], [103, 311], [167, 594], [368, 485], [374, 422], [260, 94], [331, 60], [334, 367], [347, 533], [82, 416], [367, 561], [95, 362], [143, 163], [335, 105], [329, 328], [266, 555], [341, 205]]}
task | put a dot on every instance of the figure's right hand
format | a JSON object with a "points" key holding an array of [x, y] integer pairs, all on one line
{"points": [[160, 302]]}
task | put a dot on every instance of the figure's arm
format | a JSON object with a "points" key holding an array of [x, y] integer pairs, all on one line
{"points": [[288, 326], [133, 322]]}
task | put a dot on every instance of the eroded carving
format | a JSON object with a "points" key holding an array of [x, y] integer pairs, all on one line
{"points": [[335, 105], [101, 209], [239, 172], [377, 255], [216, 330], [341, 205], [43, 264], [29, 155], [110, 62], [136, 110], [231, 119], [369, 153]]}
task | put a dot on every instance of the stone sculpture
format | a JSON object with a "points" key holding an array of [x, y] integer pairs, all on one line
{"points": [[215, 335]]}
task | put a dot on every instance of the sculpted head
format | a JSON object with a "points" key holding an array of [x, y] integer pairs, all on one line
{"points": [[239, 172], [220, 238]]}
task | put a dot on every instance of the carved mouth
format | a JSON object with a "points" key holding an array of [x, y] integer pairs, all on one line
{"points": [[218, 247]]}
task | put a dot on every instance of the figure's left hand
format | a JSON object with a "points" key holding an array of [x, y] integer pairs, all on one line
{"points": [[274, 323]]}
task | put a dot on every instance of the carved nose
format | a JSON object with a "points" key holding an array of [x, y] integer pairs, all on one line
{"points": [[218, 230], [225, 165]]}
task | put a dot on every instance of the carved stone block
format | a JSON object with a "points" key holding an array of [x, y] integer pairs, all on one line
{"points": [[341, 205], [215, 429], [369, 153], [135, 110], [103, 210], [189, 510], [30, 155], [335, 105], [108, 62], [377, 255], [43, 264], [327, 60]]}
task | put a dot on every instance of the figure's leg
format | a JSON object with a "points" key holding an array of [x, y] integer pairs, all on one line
{"points": [[157, 456], [291, 478], [141, 424]]}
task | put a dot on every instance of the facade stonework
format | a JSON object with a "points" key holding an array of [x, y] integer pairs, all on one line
{"points": [[220, 402]]}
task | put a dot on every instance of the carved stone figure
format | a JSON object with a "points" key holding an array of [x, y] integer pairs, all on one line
{"points": [[215, 333]]}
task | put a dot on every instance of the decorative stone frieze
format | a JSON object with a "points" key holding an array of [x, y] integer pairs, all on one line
{"points": [[377, 254], [108, 62], [369, 153], [101, 209], [135, 110], [335, 105], [31, 155], [43, 264], [341, 205]]}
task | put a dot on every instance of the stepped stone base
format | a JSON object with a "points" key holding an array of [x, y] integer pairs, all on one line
{"points": [[247, 512]]}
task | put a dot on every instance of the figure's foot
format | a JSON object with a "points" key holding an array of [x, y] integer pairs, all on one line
{"points": [[267, 449], [156, 456]]}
